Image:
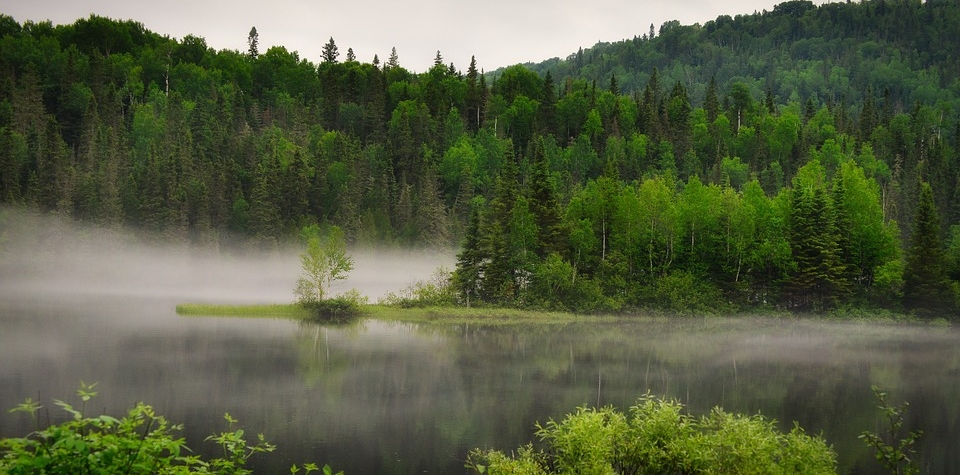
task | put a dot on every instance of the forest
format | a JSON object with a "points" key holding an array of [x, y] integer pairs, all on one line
{"points": [[803, 158]]}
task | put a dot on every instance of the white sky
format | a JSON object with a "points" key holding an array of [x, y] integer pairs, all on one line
{"points": [[498, 32]]}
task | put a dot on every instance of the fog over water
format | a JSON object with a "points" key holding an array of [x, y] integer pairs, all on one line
{"points": [[375, 396], [46, 257]]}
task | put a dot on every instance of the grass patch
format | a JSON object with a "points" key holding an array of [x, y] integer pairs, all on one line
{"points": [[292, 311], [476, 315]]}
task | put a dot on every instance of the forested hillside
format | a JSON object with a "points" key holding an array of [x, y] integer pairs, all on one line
{"points": [[801, 158]]}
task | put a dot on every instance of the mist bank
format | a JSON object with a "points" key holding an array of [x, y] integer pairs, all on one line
{"points": [[44, 256]]}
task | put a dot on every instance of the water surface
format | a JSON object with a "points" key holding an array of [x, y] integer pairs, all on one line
{"points": [[394, 398]]}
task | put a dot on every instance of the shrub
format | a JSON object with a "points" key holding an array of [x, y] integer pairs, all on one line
{"points": [[656, 437], [337, 309], [555, 285], [438, 291], [682, 292], [141, 442]]}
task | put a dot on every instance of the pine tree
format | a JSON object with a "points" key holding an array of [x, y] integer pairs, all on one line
{"points": [[253, 42], [926, 286], [544, 205], [330, 52], [473, 106], [265, 219], [469, 274], [431, 214], [393, 61], [818, 281], [711, 102], [499, 285], [548, 107]]}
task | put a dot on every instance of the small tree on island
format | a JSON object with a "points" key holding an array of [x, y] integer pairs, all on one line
{"points": [[323, 262]]}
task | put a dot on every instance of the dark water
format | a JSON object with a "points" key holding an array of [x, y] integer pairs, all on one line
{"points": [[392, 398]]}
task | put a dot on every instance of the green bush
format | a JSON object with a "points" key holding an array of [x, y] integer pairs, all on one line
{"points": [[657, 437], [682, 292], [337, 309], [438, 291], [141, 442], [555, 285]]}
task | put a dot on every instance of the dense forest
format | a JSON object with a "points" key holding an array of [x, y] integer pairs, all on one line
{"points": [[802, 158]]}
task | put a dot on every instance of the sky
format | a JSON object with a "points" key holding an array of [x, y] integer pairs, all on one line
{"points": [[498, 32]]}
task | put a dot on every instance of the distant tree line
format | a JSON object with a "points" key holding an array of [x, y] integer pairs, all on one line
{"points": [[772, 159]]}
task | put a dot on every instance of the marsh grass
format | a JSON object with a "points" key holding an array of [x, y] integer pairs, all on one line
{"points": [[291, 311], [476, 315]]}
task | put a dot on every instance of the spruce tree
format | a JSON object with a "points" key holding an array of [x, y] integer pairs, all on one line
{"points": [[393, 61], [468, 275], [818, 280], [544, 205], [472, 110], [926, 287], [499, 283], [253, 42], [330, 52], [548, 107], [711, 103]]}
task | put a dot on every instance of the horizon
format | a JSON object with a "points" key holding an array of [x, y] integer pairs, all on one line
{"points": [[544, 33]]}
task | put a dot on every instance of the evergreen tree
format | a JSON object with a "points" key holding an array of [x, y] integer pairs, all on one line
{"points": [[330, 52], [548, 107], [544, 205], [393, 61], [469, 274], [473, 95], [711, 102], [431, 216], [253, 42], [926, 286], [265, 218], [499, 278], [817, 283]]}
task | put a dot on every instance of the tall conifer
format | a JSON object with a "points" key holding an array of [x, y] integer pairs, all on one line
{"points": [[926, 287]]}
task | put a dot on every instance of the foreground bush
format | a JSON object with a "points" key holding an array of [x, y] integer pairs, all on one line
{"points": [[141, 442], [657, 437]]}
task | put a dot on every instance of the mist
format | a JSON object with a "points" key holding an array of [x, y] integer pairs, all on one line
{"points": [[46, 257]]}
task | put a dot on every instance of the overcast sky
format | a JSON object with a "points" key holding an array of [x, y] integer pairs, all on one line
{"points": [[498, 32]]}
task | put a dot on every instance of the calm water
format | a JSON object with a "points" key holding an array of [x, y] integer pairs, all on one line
{"points": [[391, 398]]}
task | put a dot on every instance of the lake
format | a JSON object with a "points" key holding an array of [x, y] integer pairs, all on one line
{"points": [[396, 398], [80, 304]]}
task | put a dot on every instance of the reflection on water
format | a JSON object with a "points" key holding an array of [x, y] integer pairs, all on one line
{"points": [[376, 397]]}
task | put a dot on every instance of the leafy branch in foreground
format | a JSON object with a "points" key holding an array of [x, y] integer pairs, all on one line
{"points": [[141, 442], [895, 451]]}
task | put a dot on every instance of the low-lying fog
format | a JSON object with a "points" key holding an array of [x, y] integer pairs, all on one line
{"points": [[46, 257]]}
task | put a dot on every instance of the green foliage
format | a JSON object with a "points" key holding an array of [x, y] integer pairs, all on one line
{"points": [[894, 449], [140, 442], [655, 437], [438, 291], [106, 122], [556, 285], [682, 292], [340, 308], [273, 310], [323, 262], [926, 285]]}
